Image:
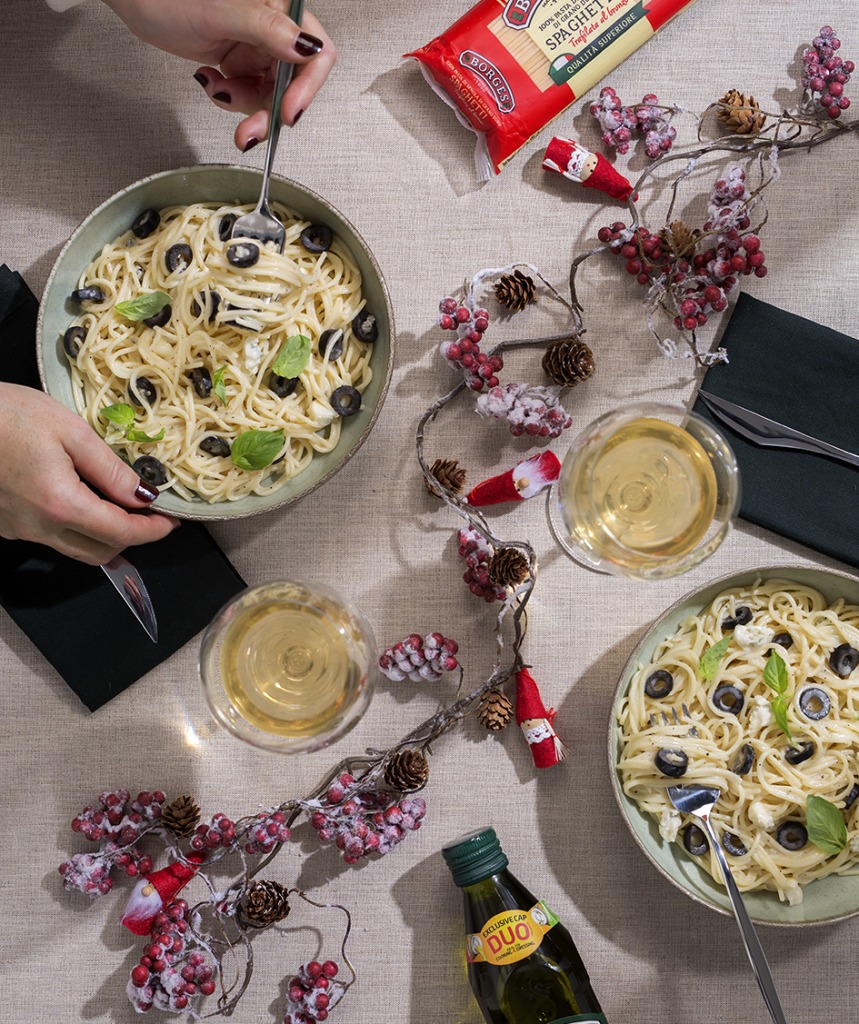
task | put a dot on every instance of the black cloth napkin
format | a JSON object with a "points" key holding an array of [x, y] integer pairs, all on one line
{"points": [[806, 376], [69, 610]]}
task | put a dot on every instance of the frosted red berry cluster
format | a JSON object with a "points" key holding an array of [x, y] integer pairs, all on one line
{"points": [[619, 123], [477, 552], [220, 831], [535, 411], [361, 822], [268, 829], [419, 657], [313, 992], [168, 976], [825, 73], [470, 324]]}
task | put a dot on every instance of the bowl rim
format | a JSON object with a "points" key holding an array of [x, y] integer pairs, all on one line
{"points": [[227, 514], [717, 584]]}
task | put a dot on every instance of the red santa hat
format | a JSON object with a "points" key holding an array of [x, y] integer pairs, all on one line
{"points": [[523, 481], [154, 891], [568, 157], [536, 722]]}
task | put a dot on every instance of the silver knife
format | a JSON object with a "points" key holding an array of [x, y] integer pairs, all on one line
{"points": [[131, 588], [770, 433]]}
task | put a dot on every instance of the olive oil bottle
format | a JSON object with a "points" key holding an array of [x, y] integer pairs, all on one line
{"points": [[523, 965]]}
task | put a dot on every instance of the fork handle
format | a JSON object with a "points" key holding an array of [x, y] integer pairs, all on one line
{"points": [[755, 951]]}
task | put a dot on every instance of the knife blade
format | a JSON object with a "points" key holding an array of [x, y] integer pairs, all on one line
{"points": [[130, 586], [770, 433]]}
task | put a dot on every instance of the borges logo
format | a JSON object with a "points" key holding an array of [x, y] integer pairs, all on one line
{"points": [[518, 13], [490, 74]]}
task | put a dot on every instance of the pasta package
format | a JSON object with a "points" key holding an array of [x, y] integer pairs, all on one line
{"points": [[509, 67]]}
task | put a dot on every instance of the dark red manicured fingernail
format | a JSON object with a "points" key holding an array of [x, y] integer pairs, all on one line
{"points": [[307, 45], [295, 119], [223, 97], [201, 78], [145, 493], [250, 144]]}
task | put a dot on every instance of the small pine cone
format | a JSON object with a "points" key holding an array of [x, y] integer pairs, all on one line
{"points": [[740, 114], [679, 237], [265, 903], [449, 473], [407, 771], [568, 362], [508, 567], [495, 710], [515, 291], [181, 816]]}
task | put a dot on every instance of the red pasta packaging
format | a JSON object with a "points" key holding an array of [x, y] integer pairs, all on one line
{"points": [[509, 67]]}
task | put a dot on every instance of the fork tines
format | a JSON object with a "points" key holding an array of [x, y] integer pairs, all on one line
{"points": [[674, 719]]}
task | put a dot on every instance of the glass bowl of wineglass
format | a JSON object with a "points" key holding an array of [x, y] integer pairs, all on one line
{"points": [[288, 666], [648, 491]]}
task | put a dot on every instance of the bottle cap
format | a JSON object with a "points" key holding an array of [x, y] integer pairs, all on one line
{"points": [[474, 856]]}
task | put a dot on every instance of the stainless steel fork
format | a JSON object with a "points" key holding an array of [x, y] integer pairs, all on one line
{"points": [[699, 802]]}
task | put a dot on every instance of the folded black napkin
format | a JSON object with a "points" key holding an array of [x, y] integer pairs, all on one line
{"points": [[806, 376], [69, 610]]}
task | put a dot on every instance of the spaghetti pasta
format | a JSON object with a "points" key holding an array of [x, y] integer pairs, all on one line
{"points": [[206, 373], [735, 742]]}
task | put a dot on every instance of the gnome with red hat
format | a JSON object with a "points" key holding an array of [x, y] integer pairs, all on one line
{"points": [[154, 891], [536, 722], [590, 170], [522, 481]]}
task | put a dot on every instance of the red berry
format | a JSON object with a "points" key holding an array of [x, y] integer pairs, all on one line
{"points": [[481, 323], [690, 322], [761, 271], [140, 975], [448, 305], [207, 987], [313, 969], [329, 969], [756, 259], [462, 315], [604, 234]]}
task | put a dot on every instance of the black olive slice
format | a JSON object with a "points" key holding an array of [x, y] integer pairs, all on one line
{"points": [[814, 703], [741, 617], [843, 660], [210, 300], [92, 294], [213, 445], [178, 257], [317, 238], [346, 400], [243, 254], [695, 840], [365, 326], [225, 227], [145, 223], [659, 684], [282, 386], [150, 470], [331, 342], [784, 640], [728, 698], [742, 763], [671, 762], [850, 799], [792, 835], [796, 755], [160, 318], [72, 341], [142, 391], [202, 381], [734, 845]]}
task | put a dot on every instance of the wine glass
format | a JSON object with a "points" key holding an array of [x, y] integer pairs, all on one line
{"points": [[648, 491], [288, 666]]}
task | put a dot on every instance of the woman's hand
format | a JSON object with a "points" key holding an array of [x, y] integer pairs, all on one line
{"points": [[48, 453], [239, 43]]}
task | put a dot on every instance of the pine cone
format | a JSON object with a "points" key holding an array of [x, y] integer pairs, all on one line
{"points": [[495, 710], [407, 771], [515, 291], [181, 816], [679, 237], [264, 903], [449, 473], [740, 114], [568, 362], [508, 567]]}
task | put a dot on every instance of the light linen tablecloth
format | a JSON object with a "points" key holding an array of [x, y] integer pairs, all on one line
{"points": [[86, 110]]}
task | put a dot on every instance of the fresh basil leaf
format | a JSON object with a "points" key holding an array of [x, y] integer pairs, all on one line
{"points": [[122, 414], [256, 449], [712, 656], [779, 709], [293, 357], [140, 435], [825, 822], [144, 306], [776, 674], [218, 385]]}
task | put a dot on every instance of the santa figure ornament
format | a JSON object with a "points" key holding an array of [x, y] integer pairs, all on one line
{"points": [[154, 891], [523, 481], [591, 170], [536, 722]]}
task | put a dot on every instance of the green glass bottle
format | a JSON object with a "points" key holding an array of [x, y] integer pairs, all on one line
{"points": [[523, 965]]}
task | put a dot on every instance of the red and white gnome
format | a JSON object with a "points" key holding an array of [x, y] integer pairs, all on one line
{"points": [[591, 170], [154, 891], [536, 722], [523, 481]]}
